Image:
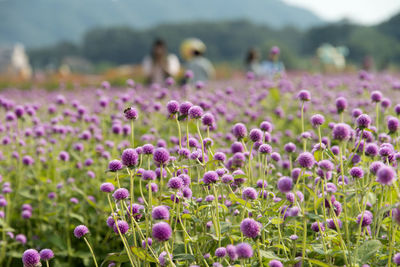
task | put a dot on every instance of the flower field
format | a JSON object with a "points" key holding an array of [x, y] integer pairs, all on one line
{"points": [[301, 171]]}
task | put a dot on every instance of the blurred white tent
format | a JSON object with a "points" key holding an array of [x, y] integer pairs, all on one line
{"points": [[333, 57], [14, 62]]}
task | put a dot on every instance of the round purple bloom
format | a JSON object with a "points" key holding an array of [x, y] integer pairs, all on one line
{"points": [[161, 155], [31, 258], [121, 193], [46, 254], [131, 113], [356, 172], [392, 124], [210, 177], [129, 157], [306, 160], [80, 231], [366, 219], [341, 132], [220, 156], [107, 187], [256, 135], [220, 252], [231, 251], [341, 104], [290, 147], [265, 149], [250, 228], [332, 225], [396, 258], [195, 112], [304, 95], [21, 238], [285, 184], [115, 165], [208, 119], [149, 175], [172, 107], [249, 193], [385, 175], [376, 96], [123, 227], [316, 227], [275, 263], [371, 149], [184, 108], [161, 231], [317, 120], [363, 121], [148, 149], [175, 183], [244, 251], [239, 130]]}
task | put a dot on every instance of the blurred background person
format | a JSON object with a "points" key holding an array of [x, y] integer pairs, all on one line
{"points": [[159, 64], [192, 50], [273, 66], [252, 62]]}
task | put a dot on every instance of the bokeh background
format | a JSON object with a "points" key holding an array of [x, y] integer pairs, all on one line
{"points": [[84, 41]]}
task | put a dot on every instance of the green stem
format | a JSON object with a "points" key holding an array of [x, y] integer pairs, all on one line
{"points": [[91, 251]]}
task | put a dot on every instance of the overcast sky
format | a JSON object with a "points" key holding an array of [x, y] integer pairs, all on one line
{"points": [[362, 11]]}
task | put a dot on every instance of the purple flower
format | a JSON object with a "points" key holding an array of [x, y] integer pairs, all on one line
{"points": [[363, 121], [250, 228], [21, 238], [123, 227], [396, 258], [121, 193], [306, 160], [184, 108], [392, 124], [161, 231], [249, 193], [341, 132], [175, 183], [31, 258], [195, 112], [208, 119], [275, 263], [210, 177], [46, 254], [265, 149], [304, 95], [115, 165], [172, 107], [80, 231], [285, 184], [231, 251], [316, 227], [239, 130], [161, 156], [341, 104], [376, 96], [356, 172], [385, 175], [244, 251], [366, 219], [131, 113], [220, 252], [107, 187], [256, 135], [129, 157]]}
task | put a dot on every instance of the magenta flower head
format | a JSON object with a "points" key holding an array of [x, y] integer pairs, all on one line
{"points": [[114, 165], [131, 113], [148, 149], [63, 156], [123, 227], [210, 177], [161, 156], [250, 228], [266, 126], [175, 183], [208, 119], [265, 149], [385, 175], [21, 238], [80, 231], [161, 231], [341, 104], [220, 252], [244, 251], [160, 213], [317, 120], [46, 254], [396, 214], [290, 147], [366, 218], [256, 135], [239, 130], [306, 160], [275, 263], [376, 96], [285, 184], [129, 157], [392, 124], [363, 121], [231, 251], [107, 187], [356, 172], [30, 258], [195, 112], [341, 132], [172, 107], [184, 108], [304, 95], [121, 193], [249, 193], [396, 259]]}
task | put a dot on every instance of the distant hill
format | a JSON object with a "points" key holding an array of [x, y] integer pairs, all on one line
{"points": [[391, 26], [43, 22]]}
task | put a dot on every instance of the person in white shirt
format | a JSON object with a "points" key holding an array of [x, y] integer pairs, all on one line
{"points": [[160, 65]]}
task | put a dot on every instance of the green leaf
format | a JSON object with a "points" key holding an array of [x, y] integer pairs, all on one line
{"points": [[77, 216], [276, 221], [184, 257], [270, 255], [319, 263], [318, 155], [142, 254], [367, 250], [371, 198], [117, 257]]}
